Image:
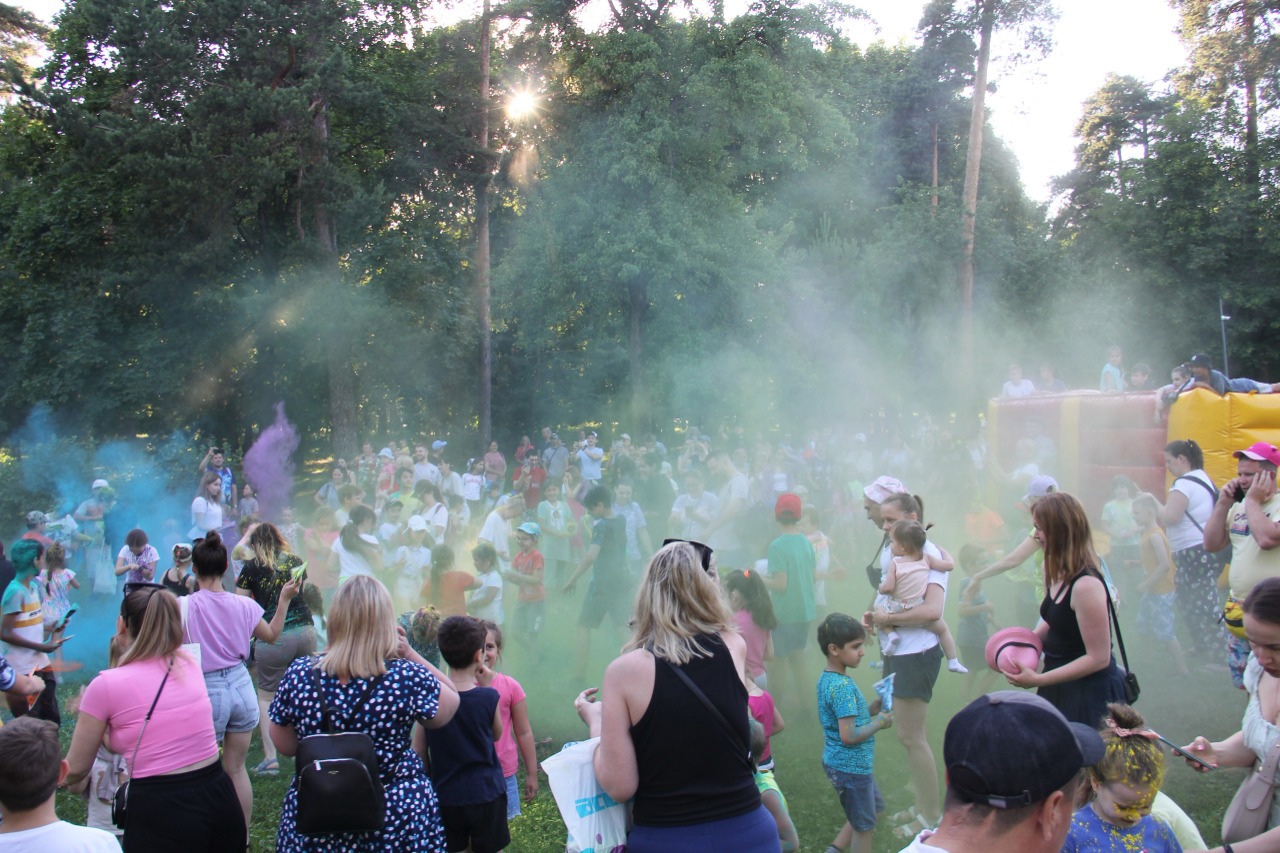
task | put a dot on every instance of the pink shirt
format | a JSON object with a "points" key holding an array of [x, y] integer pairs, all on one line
{"points": [[222, 623], [509, 693], [762, 710], [181, 729], [757, 639]]}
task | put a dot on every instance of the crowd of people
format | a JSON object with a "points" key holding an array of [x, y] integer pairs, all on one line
{"points": [[711, 560]]}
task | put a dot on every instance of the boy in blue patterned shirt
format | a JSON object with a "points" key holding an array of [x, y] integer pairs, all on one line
{"points": [[848, 732]]}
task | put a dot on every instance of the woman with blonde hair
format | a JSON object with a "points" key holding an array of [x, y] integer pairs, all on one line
{"points": [[155, 712], [373, 680], [1080, 674], [684, 654]]}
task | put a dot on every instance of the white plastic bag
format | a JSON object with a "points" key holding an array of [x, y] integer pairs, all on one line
{"points": [[596, 823]]}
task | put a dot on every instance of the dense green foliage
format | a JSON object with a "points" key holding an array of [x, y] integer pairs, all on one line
{"points": [[208, 206]]}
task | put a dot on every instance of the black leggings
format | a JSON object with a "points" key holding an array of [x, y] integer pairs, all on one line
{"points": [[192, 812]]}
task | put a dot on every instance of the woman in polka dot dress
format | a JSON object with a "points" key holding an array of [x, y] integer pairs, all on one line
{"points": [[364, 644]]}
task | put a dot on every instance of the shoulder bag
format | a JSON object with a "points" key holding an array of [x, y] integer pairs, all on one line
{"points": [[336, 774], [1131, 688], [120, 801], [1250, 808], [740, 748]]}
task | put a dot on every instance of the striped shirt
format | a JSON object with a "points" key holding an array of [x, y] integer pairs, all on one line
{"points": [[24, 600]]}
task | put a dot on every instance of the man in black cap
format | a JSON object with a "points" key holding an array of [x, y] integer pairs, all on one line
{"points": [[1204, 376], [1013, 772]]}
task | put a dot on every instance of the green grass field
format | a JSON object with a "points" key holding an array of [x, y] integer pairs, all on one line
{"points": [[1178, 708]]}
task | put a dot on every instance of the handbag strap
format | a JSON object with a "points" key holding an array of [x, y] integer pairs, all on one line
{"points": [[714, 711], [326, 714], [150, 711], [1111, 610]]}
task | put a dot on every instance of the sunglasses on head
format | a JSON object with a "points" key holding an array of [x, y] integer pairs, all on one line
{"points": [[134, 586], [704, 551]]}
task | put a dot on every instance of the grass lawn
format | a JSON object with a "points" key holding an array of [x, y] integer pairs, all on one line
{"points": [[1178, 708]]}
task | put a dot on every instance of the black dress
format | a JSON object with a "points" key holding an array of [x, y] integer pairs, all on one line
{"points": [[1083, 700]]}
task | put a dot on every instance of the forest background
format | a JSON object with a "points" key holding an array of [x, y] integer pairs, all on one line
{"points": [[208, 206]]}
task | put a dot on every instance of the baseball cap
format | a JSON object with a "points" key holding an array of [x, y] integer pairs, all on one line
{"points": [[884, 486], [99, 484], [787, 507], [531, 528], [35, 518], [438, 444], [417, 522], [1011, 749], [1040, 487], [1200, 360], [1260, 452], [386, 451]]}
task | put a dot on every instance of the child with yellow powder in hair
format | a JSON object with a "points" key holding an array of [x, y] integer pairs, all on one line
{"points": [[1156, 608], [1125, 784]]}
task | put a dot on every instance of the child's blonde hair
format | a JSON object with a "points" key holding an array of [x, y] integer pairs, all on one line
{"points": [[1132, 755], [55, 557], [1146, 502]]}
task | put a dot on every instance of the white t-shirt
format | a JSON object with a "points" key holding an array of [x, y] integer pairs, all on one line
{"points": [[205, 516], [426, 471], [493, 610], [917, 845], [349, 564], [726, 538], [1185, 534], [61, 836], [691, 527], [917, 638], [1021, 388], [497, 532]]}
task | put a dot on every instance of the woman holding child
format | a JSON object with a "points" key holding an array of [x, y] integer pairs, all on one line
{"points": [[371, 678], [650, 719], [180, 797], [1080, 675], [915, 663]]}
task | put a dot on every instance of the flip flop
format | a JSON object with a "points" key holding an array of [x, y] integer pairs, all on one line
{"points": [[267, 767]]}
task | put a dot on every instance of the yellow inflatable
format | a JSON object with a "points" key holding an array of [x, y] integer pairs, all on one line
{"points": [[1223, 425]]}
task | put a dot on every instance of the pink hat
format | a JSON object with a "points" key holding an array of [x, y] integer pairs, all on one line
{"points": [[883, 487], [1260, 452], [1009, 647]]}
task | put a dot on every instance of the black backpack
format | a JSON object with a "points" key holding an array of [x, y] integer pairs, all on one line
{"points": [[336, 774]]}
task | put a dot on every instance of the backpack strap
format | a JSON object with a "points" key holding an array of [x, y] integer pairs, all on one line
{"points": [[326, 713]]}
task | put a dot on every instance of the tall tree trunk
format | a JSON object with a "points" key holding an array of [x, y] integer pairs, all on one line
{"points": [[933, 197], [1249, 66], [342, 379], [969, 200], [482, 244], [638, 308]]}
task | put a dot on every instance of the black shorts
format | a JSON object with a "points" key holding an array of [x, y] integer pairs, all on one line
{"points": [[616, 603], [483, 826], [916, 674], [196, 810]]}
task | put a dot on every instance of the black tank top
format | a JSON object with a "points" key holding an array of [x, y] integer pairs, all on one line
{"points": [[1064, 641], [690, 770]]}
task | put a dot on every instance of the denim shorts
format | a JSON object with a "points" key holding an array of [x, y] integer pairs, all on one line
{"points": [[235, 704], [513, 796], [859, 797]]}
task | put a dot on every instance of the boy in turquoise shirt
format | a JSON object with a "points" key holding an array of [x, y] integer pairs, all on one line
{"points": [[849, 726]]}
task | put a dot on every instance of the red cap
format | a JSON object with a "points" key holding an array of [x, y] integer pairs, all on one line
{"points": [[787, 508]]}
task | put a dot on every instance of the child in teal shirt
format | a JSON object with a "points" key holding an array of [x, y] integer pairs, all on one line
{"points": [[849, 725]]}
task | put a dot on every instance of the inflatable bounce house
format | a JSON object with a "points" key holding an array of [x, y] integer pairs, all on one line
{"points": [[1098, 436]]}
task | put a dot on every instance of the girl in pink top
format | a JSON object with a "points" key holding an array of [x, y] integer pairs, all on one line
{"points": [[753, 611], [177, 754], [767, 715], [516, 731]]}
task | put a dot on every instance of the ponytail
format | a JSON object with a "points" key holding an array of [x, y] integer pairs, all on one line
{"points": [[1188, 449], [350, 535]]}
